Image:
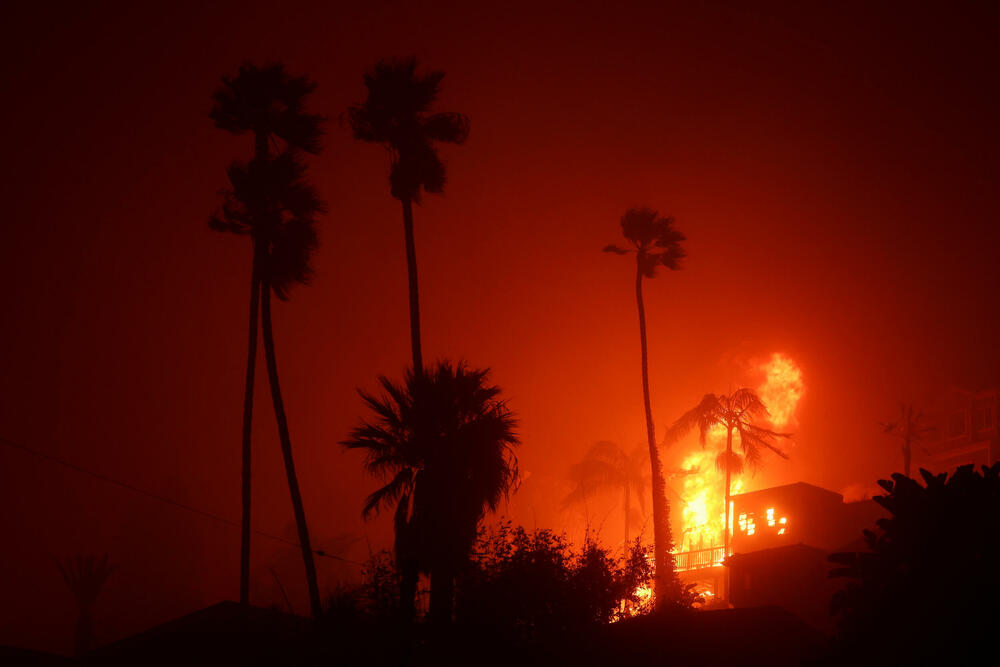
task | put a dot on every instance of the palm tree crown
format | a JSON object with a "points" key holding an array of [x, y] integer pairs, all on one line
{"points": [[608, 467], [909, 428], [444, 443], [736, 412], [448, 422], [396, 114], [270, 200], [268, 102], [655, 240]]}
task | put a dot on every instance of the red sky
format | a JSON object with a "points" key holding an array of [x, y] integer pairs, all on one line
{"points": [[834, 171]]}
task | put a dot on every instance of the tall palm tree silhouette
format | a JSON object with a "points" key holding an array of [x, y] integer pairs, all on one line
{"points": [[396, 114], [655, 243], [85, 576], [606, 466], [271, 203], [736, 412], [909, 428], [443, 442]]}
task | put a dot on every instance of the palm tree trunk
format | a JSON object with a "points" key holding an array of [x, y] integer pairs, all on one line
{"points": [[725, 528], [907, 430], [248, 424], [907, 453], [260, 153], [661, 525], [84, 637], [286, 451], [406, 562], [628, 508], [442, 594], [411, 266]]}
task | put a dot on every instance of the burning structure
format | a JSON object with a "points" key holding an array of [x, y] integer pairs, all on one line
{"points": [[781, 538]]}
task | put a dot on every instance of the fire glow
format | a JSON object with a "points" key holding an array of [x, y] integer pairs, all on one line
{"points": [[702, 483]]}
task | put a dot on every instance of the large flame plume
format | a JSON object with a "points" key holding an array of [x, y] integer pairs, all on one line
{"points": [[701, 484]]}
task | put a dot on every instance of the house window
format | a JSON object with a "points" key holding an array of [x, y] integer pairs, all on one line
{"points": [[956, 426]]}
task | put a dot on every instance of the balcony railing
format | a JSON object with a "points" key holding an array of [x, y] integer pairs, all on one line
{"points": [[699, 559]]}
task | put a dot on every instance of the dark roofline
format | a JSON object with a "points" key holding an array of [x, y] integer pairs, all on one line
{"points": [[759, 554], [799, 485]]}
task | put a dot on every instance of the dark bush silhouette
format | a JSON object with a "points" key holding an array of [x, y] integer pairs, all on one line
{"points": [[656, 243], [270, 201], [926, 592], [443, 441], [397, 115], [536, 585]]}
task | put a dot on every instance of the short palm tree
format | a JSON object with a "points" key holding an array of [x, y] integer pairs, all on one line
{"points": [[736, 412], [85, 576], [444, 443], [606, 466], [909, 428], [655, 243], [397, 115], [267, 103]]}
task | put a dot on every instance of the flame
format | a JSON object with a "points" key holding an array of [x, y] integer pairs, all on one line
{"points": [[782, 388], [704, 514]]}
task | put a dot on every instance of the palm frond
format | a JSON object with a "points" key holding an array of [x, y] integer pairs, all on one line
{"points": [[389, 494], [269, 101], [730, 461], [703, 417]]}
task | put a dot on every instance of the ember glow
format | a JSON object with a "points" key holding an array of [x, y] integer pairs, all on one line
{"points": [[701, 484]]}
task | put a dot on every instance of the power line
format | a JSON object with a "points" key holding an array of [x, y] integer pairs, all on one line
{"points": [[162, 499]]}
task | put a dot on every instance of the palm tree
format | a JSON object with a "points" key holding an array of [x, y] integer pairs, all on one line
{"points": [[396, 114], [268, 103], [85, 576], [909, 428], [443, 441], [736, 412], [655, 243], [608, 466]]}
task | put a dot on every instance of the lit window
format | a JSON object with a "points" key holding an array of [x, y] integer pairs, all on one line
{"points": [[782, 521], [743, 522], [781, 531], [770, 516], [751, 527]]}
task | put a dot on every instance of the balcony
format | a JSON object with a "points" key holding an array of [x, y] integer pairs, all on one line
{"points": [[699, 559]]}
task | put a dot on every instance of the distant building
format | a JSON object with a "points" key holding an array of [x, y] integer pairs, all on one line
{"points": [[965, 431]]}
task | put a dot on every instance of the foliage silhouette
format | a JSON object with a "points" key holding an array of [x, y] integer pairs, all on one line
{"points": [[85, 576], [925, 592], [397, 115], [534, 586], [736, 412], [909, 428], [655, 243], [443, 441], [606, 466], [270, 201]]}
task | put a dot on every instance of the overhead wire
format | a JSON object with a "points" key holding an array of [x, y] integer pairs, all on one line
{"points": [[163, 499]]}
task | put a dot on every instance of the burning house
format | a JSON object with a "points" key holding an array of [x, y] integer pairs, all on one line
{"points": [[781, 538]]}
